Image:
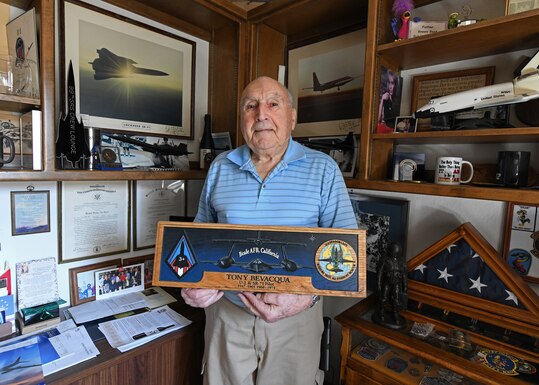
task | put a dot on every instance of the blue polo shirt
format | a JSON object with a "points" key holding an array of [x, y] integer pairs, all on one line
{"points": [[305, 189]]}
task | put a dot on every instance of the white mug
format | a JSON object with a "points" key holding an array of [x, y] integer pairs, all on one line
{"points": [[449, 169]]}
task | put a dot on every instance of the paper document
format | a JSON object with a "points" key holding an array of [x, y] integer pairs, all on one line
{"points": [[129, 332], [94, 310]]}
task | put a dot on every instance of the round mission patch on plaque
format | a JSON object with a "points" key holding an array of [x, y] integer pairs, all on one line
{"points": [[336, 260]]}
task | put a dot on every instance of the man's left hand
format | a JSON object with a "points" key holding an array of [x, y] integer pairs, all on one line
{"points": [[272, 307]]}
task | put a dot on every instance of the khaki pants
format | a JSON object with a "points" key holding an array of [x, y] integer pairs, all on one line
{"points": [[241, 349]]}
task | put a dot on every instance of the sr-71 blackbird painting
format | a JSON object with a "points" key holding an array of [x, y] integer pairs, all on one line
{"points": [[109, 65], [337, 83], [523, 88]]}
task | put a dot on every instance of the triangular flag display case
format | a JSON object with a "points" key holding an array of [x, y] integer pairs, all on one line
{"points": [[470, 319]]}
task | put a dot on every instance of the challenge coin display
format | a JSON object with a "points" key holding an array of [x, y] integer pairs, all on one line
{"points": [[109, 158], [297, 260]]}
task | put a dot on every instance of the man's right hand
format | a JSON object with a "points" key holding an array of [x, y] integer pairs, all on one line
{"points": [[201, 297]]}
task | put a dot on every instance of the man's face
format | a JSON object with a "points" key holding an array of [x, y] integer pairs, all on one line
{"points": [[267, 117]]}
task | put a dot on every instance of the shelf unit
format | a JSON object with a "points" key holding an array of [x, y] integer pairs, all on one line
{"points": [[220, 26], [520, 31]]}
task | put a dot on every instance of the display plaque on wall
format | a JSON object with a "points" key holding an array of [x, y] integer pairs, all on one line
{"points": [[296, 260]]}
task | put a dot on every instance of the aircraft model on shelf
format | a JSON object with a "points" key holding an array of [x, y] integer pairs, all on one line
{"points": [[523, 88]]}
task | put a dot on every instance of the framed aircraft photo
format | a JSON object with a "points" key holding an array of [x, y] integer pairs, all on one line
{"points": [[296, 260], [326, 80], [125, 71]]}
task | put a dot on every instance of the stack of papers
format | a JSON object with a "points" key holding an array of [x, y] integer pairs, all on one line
{"points": [[130, 332], [59, 348]]}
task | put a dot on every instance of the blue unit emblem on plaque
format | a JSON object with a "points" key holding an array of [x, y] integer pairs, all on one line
{"points": [[520, 260], [182, 258], [336, 260]]}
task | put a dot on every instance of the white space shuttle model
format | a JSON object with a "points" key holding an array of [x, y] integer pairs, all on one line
{"points": [[523, 88]]}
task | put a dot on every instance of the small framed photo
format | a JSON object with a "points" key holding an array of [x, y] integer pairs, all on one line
{"points": [[221, 141], [30, 212], [82, 285], [521, 240], [147, 260], [119, 280], [517, 6], [405, 124], [343, 149]]}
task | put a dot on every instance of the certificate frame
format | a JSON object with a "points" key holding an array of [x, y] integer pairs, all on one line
{"points": [[99, 208], [521, 240], [30, 212], [86, 274], [103, 46], [153, 202]]}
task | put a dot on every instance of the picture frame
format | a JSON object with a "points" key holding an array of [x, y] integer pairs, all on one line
{"points": [[161, 74], [114, 281], [405, 124], [94, 219], [424, 87], [386, 221], [81, 277], [343, 149], [389, 100], [325, 76], [11, 127], [221, 141], [521, 240], [517, 6], [30, 212], [148, 261], [153, 202]]}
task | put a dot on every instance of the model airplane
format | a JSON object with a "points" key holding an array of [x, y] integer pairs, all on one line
{"points": [[109, 65], [523, 88], [321, 87]]}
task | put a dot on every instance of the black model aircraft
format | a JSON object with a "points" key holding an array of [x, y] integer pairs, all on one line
{"points": [[257, 265], [336, 259], [109, 65], [160, 150], [15, 366]]}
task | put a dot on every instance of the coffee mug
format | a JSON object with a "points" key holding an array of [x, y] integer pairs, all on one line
{"points": [[513, 168], [449, 169]]}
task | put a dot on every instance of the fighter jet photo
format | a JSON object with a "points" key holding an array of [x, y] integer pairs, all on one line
{"points": [[523, 88], [109, 65], [337, 83], [16, 365]]}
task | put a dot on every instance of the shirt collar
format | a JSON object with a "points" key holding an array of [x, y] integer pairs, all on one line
{"points": [[242, 155]]}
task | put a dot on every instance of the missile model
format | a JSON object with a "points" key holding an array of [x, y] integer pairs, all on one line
{"points": [[523, 88]]}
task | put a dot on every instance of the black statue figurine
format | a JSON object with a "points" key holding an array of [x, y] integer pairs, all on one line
{"points": [[392, 289]]}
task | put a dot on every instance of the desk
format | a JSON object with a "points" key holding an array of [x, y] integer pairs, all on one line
{"points": [[174, 359]]}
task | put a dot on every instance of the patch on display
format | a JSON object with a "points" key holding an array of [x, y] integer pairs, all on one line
{"points": [[499, 362], [396, 364], [368, 353], [380, 346], [433, 381]]}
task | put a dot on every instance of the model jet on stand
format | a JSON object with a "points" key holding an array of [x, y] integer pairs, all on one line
{"points": [[523, 88]]}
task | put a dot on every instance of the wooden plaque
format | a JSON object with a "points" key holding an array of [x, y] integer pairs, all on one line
{"points": [[298, 260]]}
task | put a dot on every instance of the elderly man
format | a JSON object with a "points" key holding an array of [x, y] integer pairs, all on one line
{"points": [[267, 338]]}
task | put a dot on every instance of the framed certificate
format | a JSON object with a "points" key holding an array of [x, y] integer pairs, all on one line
{"points": [[94, 219]]}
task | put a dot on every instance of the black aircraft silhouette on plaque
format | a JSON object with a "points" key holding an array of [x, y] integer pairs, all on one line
{"points": [[257, 265], [336, 259], [16, 365], [109, 65]]}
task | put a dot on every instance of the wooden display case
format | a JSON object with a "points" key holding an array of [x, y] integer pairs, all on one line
{"points": [[493, 312]]}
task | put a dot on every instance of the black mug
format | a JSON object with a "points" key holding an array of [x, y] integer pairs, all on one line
{"points": [[513, 168]]}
